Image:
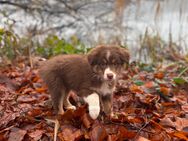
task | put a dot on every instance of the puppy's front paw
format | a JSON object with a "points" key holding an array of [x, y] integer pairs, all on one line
{"points": [[94, 106], [71, 108], [94, 111]]}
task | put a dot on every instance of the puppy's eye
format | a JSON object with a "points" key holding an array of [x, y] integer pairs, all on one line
{"points": [[102, 65], [103, 62], [115, 64]]}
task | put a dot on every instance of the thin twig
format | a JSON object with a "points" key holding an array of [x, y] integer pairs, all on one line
{"points": [[122, 124], [6, 129], [141, 129], [183, 71]]}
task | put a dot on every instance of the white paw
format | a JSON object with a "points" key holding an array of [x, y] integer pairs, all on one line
{"points": [[71, 108], [94, 111], [94, 106]]}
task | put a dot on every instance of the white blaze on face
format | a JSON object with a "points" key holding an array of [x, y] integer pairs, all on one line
{"points": [[108, 55], [108, 72], [94, 105]]}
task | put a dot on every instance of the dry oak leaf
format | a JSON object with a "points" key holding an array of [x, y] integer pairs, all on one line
{"points": [[36, 135], [87, 121], [98, 133], [165, 90], [70, 133], [140, 138], [185, 107], [179, 123], [7, 118], [180, 135], [149, 84], [123, 133], [136, 89], [159, 75], [16, 134], [112, 138]]}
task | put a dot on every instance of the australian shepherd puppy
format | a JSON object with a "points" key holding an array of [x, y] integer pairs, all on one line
{"points": [[92, 76]]}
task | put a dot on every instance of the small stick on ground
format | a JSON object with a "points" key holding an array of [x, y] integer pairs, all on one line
{"points": [[56, 122]]}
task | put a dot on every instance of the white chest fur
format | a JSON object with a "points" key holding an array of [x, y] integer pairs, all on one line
{"points": [[106, 89]]}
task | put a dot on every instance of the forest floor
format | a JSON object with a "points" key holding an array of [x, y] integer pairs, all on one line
{"points": [[151, 103]]}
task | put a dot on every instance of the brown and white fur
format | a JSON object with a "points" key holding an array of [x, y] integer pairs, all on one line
{"points": [[92, 76]]}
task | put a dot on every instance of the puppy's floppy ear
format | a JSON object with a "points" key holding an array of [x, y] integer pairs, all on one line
{"points": [[124, 55], [92, 57]]}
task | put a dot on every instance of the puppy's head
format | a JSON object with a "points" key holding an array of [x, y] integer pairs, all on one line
{"points": [[108, 61]]}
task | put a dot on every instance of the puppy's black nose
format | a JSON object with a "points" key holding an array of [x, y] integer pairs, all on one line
{"points": [[110, 76]]}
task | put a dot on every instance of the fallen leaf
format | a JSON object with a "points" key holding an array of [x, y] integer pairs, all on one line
{"points": [[27, 99], [178, 123], [135, 120], [3, 137], [27, 90], [157, 125], [125, 134], [149, 84], [70, 133], [36, 135], [165, 90], [7, 118], [139, 82], [140, 138], [41, 90], [180, 135], [16, 134], [74, 115], [160, 135], [32, 98], [98, 133], [181, 123], [168, 104], [159, 75], [136, 89], [35, 112], [87, 121], [185, 108], [179, 80], [148, 99], [112, 138], [80, 111], [166, 121]]}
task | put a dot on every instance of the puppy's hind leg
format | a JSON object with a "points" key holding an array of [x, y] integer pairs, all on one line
{"points": [[67, 103], [57, 96], [60, 105]]}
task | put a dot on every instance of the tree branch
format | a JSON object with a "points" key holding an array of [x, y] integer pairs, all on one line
{"points": [[14, 4]]}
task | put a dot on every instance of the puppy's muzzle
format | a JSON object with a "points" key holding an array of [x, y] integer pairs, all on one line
{"points": [[109, 74]]}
